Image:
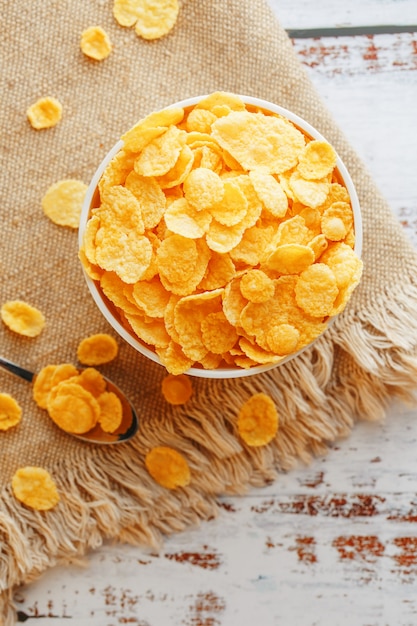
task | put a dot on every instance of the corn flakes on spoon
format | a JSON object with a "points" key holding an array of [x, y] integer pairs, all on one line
{"points": [[111, 402]]}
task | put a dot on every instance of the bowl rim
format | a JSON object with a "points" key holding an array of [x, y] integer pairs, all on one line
{"points": [[221, 372]]}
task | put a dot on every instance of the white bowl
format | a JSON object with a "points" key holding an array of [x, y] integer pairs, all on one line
{"points": [[92, 200]]}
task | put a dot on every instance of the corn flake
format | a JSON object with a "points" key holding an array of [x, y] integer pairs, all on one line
{"points": [[337, 221], [168, 467], [258, 140], [270, 192], [22, 318], [312, 193], [95, 43], [176, 389], [183, 219], [97, 349], [49, 376], [257, 421], [316, 290], [10, 411], [203, 188], [218, 335], [63, 202], [151, 296], [44, 113], [317, 160], [256, 286], [160, 154], [72, 408], [111, 411], [290, 258], [34, 487]]}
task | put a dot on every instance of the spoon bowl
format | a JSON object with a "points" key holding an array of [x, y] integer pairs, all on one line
{"points": [[96, 435]]}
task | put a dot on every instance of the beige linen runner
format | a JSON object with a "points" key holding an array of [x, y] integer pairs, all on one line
{"points": [[366, 358]]}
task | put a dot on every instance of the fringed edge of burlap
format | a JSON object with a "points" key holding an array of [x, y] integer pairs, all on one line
{"points": [[353, 372]]}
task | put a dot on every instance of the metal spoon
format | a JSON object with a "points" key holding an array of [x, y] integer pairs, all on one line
{"points": [[127, 428]]}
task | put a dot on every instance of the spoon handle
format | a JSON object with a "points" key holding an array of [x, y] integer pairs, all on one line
{"points": [[16, 369]]}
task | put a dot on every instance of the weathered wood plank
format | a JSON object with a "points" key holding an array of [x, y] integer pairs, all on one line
{"points": [[365, 54], [304, 14], [370, 85]]}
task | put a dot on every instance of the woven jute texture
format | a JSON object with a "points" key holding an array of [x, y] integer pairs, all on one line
{"points": [[363, 361]]}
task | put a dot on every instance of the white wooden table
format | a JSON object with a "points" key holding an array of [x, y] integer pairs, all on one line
{"points": [[334, 544]]}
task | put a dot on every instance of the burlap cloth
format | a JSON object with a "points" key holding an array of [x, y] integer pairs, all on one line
{"points": [[364, 360]]}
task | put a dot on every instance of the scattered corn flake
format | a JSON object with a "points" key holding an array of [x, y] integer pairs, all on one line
{"points": [[95, 43], [63, 201], [317, 160], [152, 18], [97, 349], [10, 411], [44, 113], [168, 467], [35, 487], [125, 12], [177, 389], [22, 318], [257, 421], [111, 411]]}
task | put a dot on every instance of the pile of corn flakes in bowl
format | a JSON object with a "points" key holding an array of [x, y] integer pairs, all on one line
{"points": [[220, 236]]}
